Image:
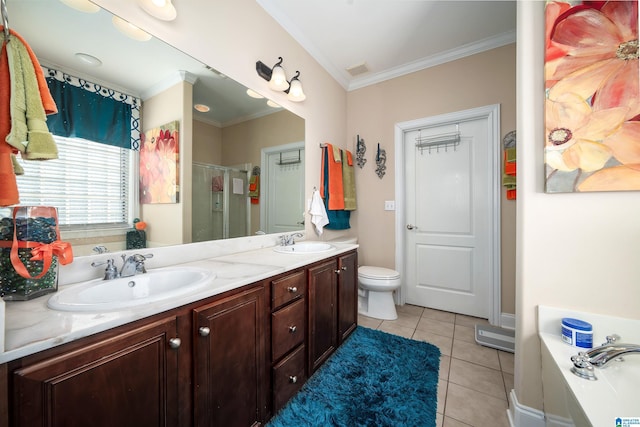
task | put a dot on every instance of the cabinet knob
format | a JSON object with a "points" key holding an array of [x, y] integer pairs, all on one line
{"points": [[337, 271], [344, 268], [292, 329], [204, 331], [293, 379], [292, 289], [175, 343]]}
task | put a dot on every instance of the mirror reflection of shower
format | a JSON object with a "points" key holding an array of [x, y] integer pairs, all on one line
{"points": [[217, 192]]}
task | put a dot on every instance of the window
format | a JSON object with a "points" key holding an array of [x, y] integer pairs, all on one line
{"points": [[90, 183]]}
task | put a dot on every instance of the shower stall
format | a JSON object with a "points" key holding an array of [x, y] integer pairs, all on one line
{"points": [[220, 202]]}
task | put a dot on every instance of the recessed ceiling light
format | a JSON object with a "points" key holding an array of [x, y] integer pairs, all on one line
{"points": [[270, 103], [87, 59], [130, 30], [161, 9], [82, 5], [252, 93], [202, 108]]}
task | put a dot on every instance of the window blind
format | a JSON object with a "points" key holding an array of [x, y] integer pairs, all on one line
{"points": [[88, 183]]}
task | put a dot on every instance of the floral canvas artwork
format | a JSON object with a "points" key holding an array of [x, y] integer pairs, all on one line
{"points": [[159, 164], [592, 103]]}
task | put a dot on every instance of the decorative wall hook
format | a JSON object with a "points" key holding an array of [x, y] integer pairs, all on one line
{"points": [[381, 160], [361, 148]]}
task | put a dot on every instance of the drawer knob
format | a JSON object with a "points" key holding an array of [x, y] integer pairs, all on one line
{"points": [[204, 331], [337, 271], [292, 329], [292, 289], [293, 379], [175, 343], [344, 268]]}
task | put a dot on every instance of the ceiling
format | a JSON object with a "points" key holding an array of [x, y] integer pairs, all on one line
{"points": [[389, 37]]}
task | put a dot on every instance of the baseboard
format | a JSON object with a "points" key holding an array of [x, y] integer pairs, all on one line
{"points": [[523, 416], [556, 421], [508, 321]]}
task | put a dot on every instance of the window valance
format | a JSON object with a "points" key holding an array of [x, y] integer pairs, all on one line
{"points": [[92, 111]]}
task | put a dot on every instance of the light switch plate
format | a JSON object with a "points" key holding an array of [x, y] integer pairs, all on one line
{"points": [[389, 205]]}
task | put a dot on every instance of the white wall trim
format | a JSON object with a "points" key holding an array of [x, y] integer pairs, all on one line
{"points": [[492, 114], [523, 416], [508, 321]]}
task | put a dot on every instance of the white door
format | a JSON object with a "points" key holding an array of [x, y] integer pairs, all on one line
{"points": [[282, 182], [451, 206]]}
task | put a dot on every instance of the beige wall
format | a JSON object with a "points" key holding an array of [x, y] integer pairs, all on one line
{"points": [[170, 223], [373, 112], [207, 143], [574, 251]]}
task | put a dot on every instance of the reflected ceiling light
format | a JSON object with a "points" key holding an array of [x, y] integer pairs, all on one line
{"points": [[295, 92], [130, 30], [87, 59], [254, 94], [270, 103], [161, 9], [202, 108], [278, 80], [82, 5]]}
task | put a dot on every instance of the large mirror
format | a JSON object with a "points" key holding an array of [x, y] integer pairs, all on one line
{"points": [[237, 139]]}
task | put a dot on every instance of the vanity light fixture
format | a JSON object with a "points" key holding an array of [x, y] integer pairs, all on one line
{"points": [[82, 5], [161, 9], [278, 80], [130, 30]]}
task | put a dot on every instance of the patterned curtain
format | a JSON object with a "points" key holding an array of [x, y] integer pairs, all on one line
{"points": [[91, 111]]}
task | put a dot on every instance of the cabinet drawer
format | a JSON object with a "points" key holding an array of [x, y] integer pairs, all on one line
{"points": [[287, 289], [287, 329], [288, 377]]}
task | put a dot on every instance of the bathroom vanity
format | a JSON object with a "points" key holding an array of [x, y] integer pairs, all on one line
{"points": [[230, 355]]}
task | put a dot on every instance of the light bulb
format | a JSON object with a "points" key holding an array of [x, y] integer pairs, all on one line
{"points": [[278, 80]]}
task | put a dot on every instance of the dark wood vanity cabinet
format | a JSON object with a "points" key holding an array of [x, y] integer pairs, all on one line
{"points": [[130, 379], [230, 363], [347, 295]]}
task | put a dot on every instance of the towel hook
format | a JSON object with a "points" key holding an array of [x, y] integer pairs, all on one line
{"points": [[5, 19]]}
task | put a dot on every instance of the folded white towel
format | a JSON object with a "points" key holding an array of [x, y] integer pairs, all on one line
{"points": [[318, 213]]}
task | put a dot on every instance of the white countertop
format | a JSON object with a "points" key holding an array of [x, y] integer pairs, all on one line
{"points": [[30, 326], [615, 393]]}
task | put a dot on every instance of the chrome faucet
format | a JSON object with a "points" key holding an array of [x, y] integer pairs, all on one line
{"points": [[132, 265], [601, 357], [288, 240]]}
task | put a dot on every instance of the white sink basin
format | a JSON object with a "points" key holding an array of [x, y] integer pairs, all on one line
{"points": [[125, 292], [305, 248]]}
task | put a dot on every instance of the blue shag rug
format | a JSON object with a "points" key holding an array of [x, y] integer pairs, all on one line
{"points": [[373, 379]]}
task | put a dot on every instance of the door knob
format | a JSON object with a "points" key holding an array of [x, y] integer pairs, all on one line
{"points": [[411, 227], [175, 343], [204, 331]]}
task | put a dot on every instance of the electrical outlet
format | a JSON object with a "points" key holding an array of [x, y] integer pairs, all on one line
{"points": [[389, 205]]}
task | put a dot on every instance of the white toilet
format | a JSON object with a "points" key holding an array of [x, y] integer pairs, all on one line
{"points": [[375, 293]]}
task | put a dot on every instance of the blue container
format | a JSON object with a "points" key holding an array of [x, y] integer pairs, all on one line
{"points": [[577, 332]]}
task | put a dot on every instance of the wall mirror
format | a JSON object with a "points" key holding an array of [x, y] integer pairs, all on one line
{"points": [[236, 135]]}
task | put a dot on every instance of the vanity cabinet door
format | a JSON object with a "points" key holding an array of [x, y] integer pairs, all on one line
{"points": [[230, 360], [347, 295], [128, 380], [323, 330]]}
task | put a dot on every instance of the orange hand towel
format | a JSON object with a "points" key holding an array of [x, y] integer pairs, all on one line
{"points": [[335, 187]]}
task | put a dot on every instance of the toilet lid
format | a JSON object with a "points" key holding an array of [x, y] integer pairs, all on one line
{"points": [[377, 273]]}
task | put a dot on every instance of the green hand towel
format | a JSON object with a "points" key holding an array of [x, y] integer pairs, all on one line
{"points": [[510, 154], [348, 183], [17, 167]]}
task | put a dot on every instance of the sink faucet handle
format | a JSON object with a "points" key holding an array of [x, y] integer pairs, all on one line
{"points": [[111, 272], [612, 339], [100, 249]]}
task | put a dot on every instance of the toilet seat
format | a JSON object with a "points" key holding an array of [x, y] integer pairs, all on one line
{"points": [[377, 273]]}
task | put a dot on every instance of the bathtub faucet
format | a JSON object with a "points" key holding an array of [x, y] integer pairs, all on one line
{"points": [[600, 357]]}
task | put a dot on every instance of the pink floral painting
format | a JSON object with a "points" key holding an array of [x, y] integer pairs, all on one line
{"points": [[592, 104], [159, 164]]}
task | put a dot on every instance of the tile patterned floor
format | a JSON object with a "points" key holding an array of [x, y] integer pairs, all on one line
{"points": [[475, 381]]}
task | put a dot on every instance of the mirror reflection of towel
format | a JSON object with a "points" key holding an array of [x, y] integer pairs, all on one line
{"points": [[217, 183]]}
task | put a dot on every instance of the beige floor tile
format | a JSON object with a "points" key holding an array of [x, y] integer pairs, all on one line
{"points": [[464, 333], [443, 316], [470, 321], [476, 354], [442, 395], [439, 420], [450, 422], [392, 328], [442, 342], [369, 322], [478, 378], [406, 320], [436, 326], [506, 361], [413, 310], [508, 383], [445, 363], [474, 408]]}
